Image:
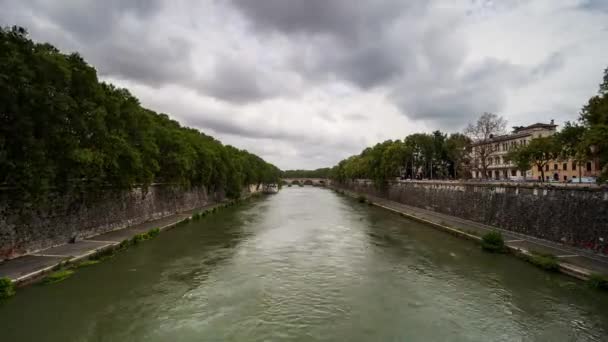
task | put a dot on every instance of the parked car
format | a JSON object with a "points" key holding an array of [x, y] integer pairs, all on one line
{"points": [[586, 180]]}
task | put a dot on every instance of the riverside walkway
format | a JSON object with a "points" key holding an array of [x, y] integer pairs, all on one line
{"points": [[31, 267], [573, 261]]}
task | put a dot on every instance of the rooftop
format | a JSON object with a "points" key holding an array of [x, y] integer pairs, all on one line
{"points": [[518, 132]]}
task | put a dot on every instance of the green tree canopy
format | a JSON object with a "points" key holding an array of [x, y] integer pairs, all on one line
{"points": [[60, 129]]}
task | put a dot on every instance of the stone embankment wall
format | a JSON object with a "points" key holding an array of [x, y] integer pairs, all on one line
{"points": [[27, 227], [573, 216]]}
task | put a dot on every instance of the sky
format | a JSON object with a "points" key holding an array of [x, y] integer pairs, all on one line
{"points": [[306, 83]]}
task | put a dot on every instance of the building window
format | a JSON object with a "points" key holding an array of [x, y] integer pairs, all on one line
{"points": [[547, 167], [588, 166], [565, 178], [539, 168], [555, 166], [565, 166], [513, 173], [573, 166]]}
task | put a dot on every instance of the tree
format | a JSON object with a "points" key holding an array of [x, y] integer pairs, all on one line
{"points": [[570, 139], [594, 117], [538, 153], [63, 130], [458, 151], [421, 147], [481, 133], [520, 157]]}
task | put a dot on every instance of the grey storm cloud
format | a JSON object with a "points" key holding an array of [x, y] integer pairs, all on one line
{"points": [[237, 83], [346, 66], [369, 44], [599, 5], [391, 44], [220, 123], [111, 34], [92, 19], [345, 19]]}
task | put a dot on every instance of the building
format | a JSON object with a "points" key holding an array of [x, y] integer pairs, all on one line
{"points": [[568, 170], [501, 169], [497, 147]]}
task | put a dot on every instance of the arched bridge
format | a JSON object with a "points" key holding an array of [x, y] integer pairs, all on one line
{"points": [[306, 181]]}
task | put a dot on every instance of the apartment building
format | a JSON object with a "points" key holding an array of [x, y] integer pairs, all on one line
{"points": [[497, 147], [567, 170]]}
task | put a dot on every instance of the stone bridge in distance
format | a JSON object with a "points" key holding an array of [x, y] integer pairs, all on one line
{"points": [[306, 181]]}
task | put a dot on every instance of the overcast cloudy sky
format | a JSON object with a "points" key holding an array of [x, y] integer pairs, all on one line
{"points": [[305, 83]]}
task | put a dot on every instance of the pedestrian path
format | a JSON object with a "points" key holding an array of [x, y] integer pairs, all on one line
{"points": [[30, 267], [574, 259]]}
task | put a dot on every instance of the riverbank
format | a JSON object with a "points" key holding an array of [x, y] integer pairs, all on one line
{"points": [[31, 268], [572, 261], [341, 270]]}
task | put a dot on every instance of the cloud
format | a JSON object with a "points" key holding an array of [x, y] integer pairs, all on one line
{"points": [[342, 19], [594, 5], [308, 82]]}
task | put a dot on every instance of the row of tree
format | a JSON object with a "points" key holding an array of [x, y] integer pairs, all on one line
{"points": [[60, 129], [318, 173], [419, 155], [440, 156]]}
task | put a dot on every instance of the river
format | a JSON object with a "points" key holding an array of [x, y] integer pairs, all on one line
{"points": [[307, 264]]}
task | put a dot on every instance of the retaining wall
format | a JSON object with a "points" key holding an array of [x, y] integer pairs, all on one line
{"points": [[573, 216], [28, 227]]}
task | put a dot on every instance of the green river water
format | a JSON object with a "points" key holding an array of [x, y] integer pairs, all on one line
{"points": [[307, 265]]}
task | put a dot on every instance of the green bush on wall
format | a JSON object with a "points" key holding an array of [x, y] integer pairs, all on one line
{"points": [[547, 262], [493, 242], [7, 288]]}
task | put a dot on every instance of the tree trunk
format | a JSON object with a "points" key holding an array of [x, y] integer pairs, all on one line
{"points": [[542, 174]]}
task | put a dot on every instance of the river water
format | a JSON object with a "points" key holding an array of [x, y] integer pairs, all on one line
{"points": [[307, 265]]}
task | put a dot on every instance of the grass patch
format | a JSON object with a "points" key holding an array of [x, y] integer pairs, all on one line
{"points": [[88, 263], [493, 242], [547, 262], [151, 234], [108, 253], [58, 276], [7, 288], [598, 281], [361, 199]]}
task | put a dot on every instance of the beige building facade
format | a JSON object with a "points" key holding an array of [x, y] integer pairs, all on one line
{"points": [[498, 167], [567, 171]]}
